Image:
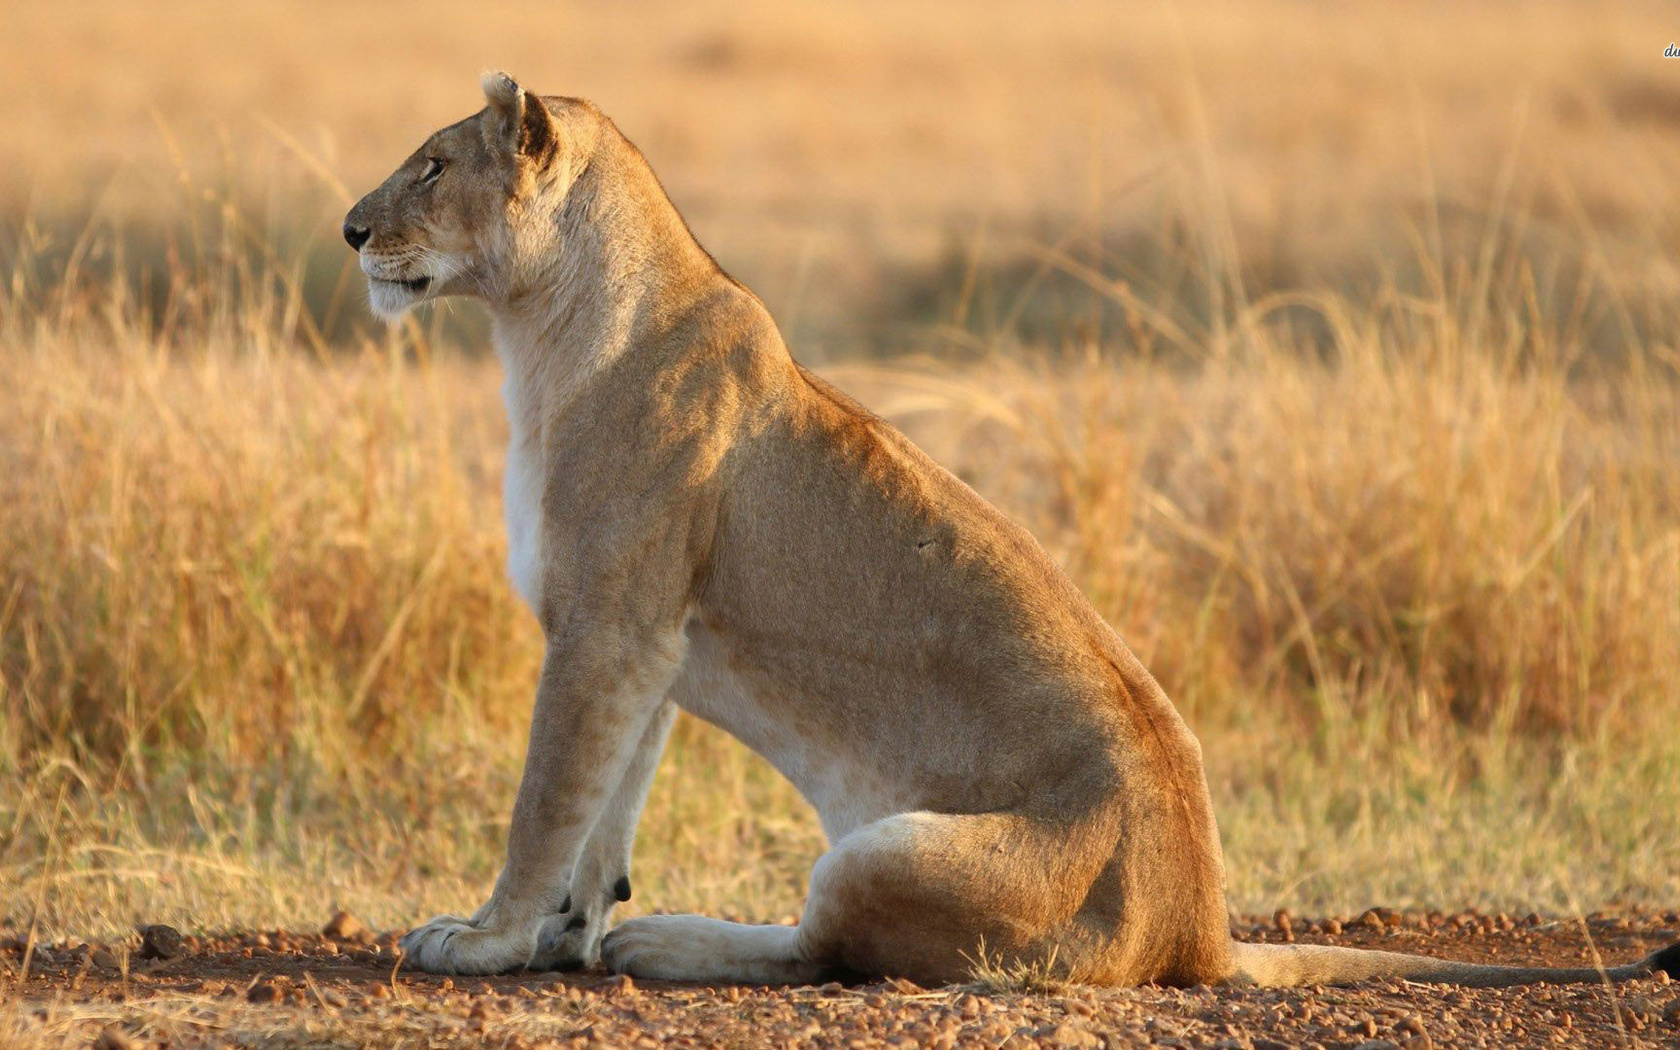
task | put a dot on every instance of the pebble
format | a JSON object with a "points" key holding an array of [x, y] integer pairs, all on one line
{"points": [[346, 927], [1066, 1035], [114, 1039], [1378, 1015], [160, 942]]}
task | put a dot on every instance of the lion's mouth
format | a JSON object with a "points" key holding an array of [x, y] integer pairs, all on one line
{"points": [[415, 285]]}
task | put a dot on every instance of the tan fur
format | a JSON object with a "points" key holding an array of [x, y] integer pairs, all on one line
{"points": [[698, 522]]}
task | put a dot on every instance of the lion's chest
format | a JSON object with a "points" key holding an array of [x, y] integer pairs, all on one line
{"points": [[522, 489]]}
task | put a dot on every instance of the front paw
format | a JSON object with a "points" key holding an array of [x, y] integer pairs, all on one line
{"points": [[450, 945], [570, 941]]}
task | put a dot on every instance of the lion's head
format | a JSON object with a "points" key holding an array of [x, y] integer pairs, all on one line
{"points": [[475, 205]]}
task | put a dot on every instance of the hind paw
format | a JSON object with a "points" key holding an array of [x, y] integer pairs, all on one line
{"points": [[695, 948]]}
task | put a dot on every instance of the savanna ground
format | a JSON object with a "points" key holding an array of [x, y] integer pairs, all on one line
{"points": [[1330, 348]]}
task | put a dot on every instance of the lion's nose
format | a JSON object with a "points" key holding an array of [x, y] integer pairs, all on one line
{"points": [[356, 236]]}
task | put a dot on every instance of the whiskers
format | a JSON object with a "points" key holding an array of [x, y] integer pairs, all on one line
{"points": [[445, 268], [406, 265]]}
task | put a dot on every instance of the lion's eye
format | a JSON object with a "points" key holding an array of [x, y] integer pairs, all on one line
{"points": [[434, 168]]}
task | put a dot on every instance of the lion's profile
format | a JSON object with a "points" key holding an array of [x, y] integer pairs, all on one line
{"points": [[700, 523]]}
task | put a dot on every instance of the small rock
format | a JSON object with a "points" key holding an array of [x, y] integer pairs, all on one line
{"points": [[618, 984], [1377, 1044], [346, 927], [1281, 920], [262, 992], [105, 960], [1271, 1044], [114, 1039], [1371, 919], [160, 942], [1068, 1035]]}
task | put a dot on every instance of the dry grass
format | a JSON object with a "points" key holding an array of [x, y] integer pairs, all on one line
{"points": [[831, 156], [1402, 536], [997, 975]]}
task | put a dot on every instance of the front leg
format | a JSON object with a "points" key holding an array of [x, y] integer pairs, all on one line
{"points": [[572, 940], [600, 690]]}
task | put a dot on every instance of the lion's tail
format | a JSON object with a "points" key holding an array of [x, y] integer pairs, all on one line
{"points": [[1286, 965]]}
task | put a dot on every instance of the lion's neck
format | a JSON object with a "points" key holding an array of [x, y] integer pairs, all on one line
{"points": [[621, 263]]}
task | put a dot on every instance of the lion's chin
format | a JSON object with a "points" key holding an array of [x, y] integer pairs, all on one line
{"points": [[391, 299]]}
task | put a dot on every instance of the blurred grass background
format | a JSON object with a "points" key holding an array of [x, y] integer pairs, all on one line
{"points": [[1331, 349]]}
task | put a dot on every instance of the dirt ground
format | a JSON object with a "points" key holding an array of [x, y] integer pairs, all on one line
{"points": [[344, 987]]}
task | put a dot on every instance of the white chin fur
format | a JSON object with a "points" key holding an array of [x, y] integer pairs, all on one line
{"points": [[390, 300]]}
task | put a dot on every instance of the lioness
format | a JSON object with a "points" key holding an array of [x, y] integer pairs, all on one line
{"points": [[700, 523]]}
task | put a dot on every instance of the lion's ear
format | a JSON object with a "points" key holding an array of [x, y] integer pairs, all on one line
{"points": [[519, 125]]}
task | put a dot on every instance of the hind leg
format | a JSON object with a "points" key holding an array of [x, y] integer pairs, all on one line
{"points": [[915, 895]]}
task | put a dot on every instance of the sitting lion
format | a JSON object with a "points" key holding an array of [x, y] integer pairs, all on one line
{"points": [[700, 523]]}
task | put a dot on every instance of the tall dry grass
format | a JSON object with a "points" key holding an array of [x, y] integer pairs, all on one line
{"points": [[1445, 537], [830, 156], [256, 644]]}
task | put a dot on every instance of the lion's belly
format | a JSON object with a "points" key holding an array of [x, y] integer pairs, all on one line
{"points": [[845, 793]]}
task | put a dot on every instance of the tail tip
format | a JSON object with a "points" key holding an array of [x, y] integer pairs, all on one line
{"points": [[1667, 960]]}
